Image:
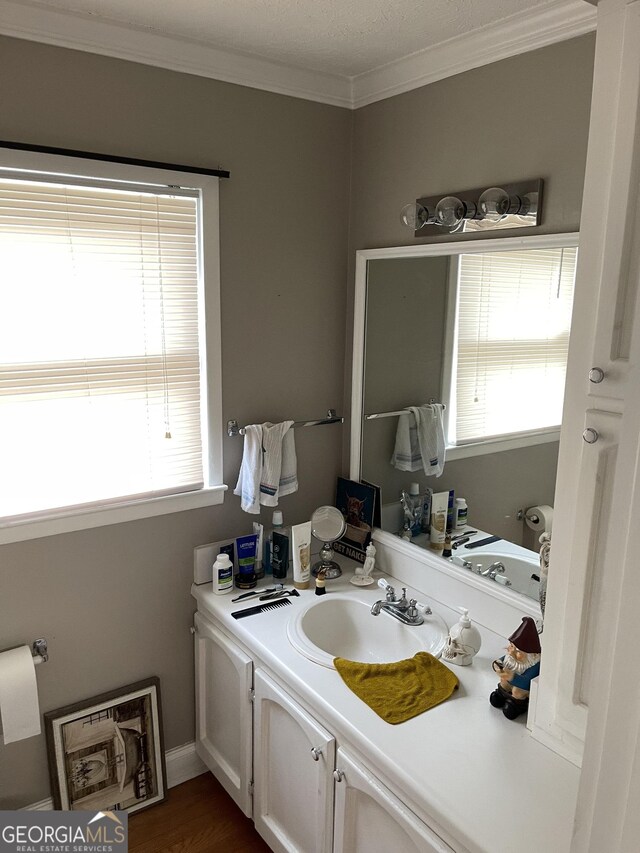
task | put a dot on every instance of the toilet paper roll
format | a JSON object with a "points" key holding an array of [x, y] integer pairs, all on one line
{"points": [[19, 707], [540, 518]]}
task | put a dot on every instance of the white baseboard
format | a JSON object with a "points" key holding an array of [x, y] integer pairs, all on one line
{"points": [[182, 764]]}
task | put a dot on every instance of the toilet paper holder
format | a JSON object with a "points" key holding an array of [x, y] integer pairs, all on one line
{"points": [[40, 651], [528, 515], [531, 516]]}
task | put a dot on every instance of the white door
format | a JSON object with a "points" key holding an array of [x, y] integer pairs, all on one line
{"points": [[293, 767], [370, 819], [223, 710]]}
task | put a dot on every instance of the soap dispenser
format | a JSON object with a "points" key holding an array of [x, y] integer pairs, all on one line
{"points": [[463, 642]]}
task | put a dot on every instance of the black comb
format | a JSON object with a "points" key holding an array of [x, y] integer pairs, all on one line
{"points": [[259, 608]]}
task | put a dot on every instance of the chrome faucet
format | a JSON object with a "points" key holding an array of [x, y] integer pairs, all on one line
{"points": [[493, 570], [403, 609]]}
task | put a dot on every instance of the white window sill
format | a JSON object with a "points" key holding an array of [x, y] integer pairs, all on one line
{"points": [[82, 519], [495, 445]]}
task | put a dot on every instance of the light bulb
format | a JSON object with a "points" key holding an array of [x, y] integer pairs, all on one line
{"points": [[450, 211], [494, 204], [414, 216]]}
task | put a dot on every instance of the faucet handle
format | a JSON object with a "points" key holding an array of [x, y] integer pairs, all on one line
{"points": [[386, 586]]}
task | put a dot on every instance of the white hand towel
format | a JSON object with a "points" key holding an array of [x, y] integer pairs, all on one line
{"points": [[406, 453], [430, 430], [289, 471], [248, 486], [273, 436]]}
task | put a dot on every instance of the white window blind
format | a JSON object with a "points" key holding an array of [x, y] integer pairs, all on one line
{"points": [[514, 317], [99, 346]]}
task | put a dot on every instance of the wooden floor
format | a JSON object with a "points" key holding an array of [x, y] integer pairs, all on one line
{"points": [[198, 817]]}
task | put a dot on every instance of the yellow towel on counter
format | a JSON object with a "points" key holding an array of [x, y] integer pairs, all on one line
{"points": [[402, 690]]}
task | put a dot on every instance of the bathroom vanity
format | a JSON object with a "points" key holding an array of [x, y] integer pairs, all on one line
{"points": [[318, 771]]}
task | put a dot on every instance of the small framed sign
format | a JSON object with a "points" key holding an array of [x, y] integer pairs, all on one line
{"points": [[356, 502], [107, 753]]}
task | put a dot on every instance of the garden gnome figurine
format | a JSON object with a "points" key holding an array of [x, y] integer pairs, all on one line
{"points": [[516, 669]]}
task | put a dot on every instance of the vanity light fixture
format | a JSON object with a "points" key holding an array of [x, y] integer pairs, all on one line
{"points": [[508, 206]]}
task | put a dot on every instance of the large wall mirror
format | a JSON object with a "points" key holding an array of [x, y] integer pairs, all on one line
{"points": [[482, 327]]}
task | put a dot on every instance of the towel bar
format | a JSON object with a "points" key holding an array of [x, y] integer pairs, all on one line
{"points": [[331, 418], [393, 414], [40, 651]]}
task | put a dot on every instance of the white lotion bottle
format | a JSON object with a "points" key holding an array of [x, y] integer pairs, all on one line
{"points": [[463, 642], [461, 519], [301, 547], [222, 574]]}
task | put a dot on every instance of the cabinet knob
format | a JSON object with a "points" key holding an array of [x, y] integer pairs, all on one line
{"points": [[316, 752], [338, 775], [596, 375], [590, 435]]}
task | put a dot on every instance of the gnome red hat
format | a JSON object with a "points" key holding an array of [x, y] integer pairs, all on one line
{"points": [[525, 638]]}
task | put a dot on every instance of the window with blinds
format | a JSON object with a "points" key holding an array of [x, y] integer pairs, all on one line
{"points": [[512, 338], [100, 386]]}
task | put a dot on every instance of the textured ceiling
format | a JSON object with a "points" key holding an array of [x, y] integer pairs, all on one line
{"points": [[344, 37]]}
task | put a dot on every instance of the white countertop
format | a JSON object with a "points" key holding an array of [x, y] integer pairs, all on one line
{"points": [[473, 775]]}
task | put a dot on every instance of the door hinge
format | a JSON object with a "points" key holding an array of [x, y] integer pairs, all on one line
{"points": [[252, 695], [251, 788]]}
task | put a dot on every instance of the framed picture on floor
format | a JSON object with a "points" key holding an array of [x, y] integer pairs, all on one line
{"points": [[107, 753]]}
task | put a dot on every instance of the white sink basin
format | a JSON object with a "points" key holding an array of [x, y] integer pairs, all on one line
{"points": [[341, 625]]}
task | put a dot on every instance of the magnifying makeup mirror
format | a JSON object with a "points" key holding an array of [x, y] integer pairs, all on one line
{"points": [[327, 525]]}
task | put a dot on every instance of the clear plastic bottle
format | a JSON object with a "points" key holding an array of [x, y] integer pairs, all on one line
{"points": [[416, 504]]}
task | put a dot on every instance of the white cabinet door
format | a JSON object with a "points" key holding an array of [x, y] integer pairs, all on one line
{"points": [[370, 819], [293, 773], [594, 487], [223, 710]]}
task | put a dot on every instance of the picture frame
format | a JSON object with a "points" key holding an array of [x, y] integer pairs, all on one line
{"points": [[356, 502], [107, 753]]}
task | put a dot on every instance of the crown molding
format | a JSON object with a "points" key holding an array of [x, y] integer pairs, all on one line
{"points": [[95, 35], [540, 27]]}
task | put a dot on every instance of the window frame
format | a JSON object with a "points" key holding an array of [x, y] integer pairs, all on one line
{"points": [[509, 441], [117, 512]]}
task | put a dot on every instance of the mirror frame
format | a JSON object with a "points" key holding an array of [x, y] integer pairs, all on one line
{"points": [[363, 256], [459, 247]]}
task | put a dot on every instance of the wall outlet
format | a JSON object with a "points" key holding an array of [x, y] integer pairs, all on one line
{"points": [[204, 557]]}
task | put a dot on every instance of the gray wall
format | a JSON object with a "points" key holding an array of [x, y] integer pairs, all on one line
{"points": [[114, 602], [523, 117], [406, 311]]}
